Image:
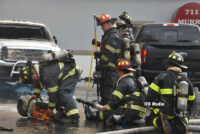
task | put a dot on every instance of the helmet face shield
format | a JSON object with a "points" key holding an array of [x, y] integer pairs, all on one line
{"points": [[121, 24]]}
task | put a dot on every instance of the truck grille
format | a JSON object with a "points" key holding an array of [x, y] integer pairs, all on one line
{"points": [[22, 54]]}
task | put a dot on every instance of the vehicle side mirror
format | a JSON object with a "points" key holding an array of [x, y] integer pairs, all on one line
{"points": [[55, 39]]}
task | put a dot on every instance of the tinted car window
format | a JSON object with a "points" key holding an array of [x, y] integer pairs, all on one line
{"points": [[169, 34], [13, 31]]}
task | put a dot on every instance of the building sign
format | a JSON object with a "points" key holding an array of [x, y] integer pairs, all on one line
{"points": [[188, 14]]}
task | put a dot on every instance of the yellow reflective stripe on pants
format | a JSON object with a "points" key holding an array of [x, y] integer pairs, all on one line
{"points": [[52, 89], [37, 91], [61, 65], [166, 91], [187, 120], [154, 87], [135, 107], [170, 117], [101, 115], [191, 97], [70, 73], [155, 110], [136, 93], [60, 75], [72, 112], [52, 105], [112, 49], [118, 94], [104, 58], [154, 122]]}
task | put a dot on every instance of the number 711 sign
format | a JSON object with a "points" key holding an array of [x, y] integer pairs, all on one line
{"points": [[192, 11], [188, 14]]}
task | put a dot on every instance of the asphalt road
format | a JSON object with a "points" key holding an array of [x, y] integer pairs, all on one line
{"points": [[9, 118]]}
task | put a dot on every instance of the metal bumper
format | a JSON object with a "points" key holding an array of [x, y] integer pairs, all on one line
{"points": [[17, 67]]}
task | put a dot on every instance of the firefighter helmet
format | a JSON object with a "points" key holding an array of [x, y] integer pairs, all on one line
{"points": [[26, 73], [105, 18], [124, 64], [121, 24], [176, 59], [125, 17]]}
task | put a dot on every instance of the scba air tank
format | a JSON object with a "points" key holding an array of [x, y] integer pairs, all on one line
{"points": [[182, 96], [137, 56], [54, 55]]}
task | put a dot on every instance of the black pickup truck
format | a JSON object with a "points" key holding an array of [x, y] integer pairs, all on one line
{"points": [[156, 42]]}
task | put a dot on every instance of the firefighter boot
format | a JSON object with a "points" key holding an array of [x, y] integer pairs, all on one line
{"points": [[180, 125], [166, 126], [72, 122], [60, 114], [89, 115]]}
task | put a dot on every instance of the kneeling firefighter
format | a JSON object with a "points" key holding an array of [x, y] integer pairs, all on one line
{"points": [[175, 92], [127, 103], [58, 73]]}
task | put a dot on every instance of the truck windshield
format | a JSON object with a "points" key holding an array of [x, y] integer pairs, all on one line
{"points": [[169, 34], [26, 32]]}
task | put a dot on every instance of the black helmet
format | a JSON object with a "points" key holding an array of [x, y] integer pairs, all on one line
{"points": [[176, 59], [125, 17], [121, 24], [26, 73]]}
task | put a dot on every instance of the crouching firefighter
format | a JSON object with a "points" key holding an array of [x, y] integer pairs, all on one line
{"points": [[174, 93], [127, 102], [58, 73]]}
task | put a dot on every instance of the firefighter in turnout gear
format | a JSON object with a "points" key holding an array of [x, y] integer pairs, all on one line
{"points": [[174, 93], [131, 49], [127, 101], [110, 51], [59, 77], [122, 27], [128, 21]]}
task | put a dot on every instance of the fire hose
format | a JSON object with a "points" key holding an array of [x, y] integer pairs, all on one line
{"points": [[146, 130]]}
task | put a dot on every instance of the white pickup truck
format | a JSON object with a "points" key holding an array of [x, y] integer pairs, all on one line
{"points": [[21, 41]]}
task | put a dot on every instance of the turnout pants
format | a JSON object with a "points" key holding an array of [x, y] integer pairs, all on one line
{"points": [[179, 125], [66, 101], [108, 81]]}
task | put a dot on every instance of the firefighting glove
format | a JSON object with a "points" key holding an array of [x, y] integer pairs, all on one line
{"points": [[129, 99], [97, 55], [98, 42], [98, 66]]}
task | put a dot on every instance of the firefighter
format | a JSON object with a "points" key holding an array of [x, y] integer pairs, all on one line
{"points": [[127, 101], [110, 51], [127, 19], [170, 97], [131, 49], [59, 77], [122, 27]]}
